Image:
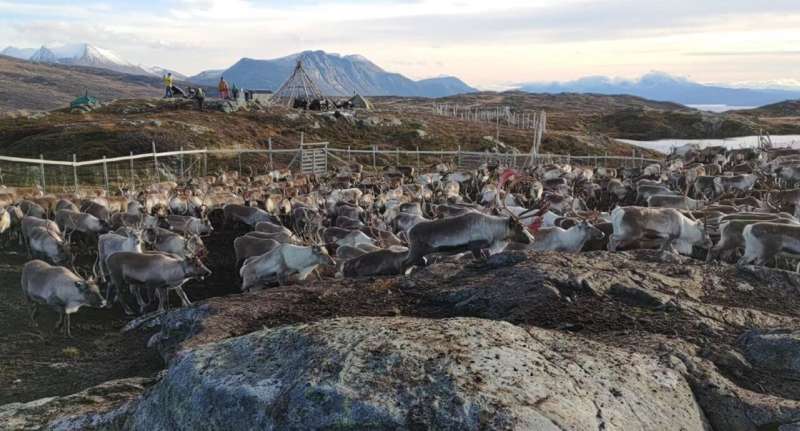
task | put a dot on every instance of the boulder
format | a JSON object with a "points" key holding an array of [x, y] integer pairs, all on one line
{"points": [[101, 407], [776, 351], [409, 373]]}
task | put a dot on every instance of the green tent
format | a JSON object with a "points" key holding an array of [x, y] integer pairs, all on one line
{"points": [[85, 100]]}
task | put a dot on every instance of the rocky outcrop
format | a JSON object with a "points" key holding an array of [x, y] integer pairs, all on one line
{"points": [[584, 322], [404, 373], [776, 351], [105, 406]]}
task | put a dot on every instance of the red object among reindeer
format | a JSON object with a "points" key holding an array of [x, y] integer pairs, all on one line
{"points": [[537, 221]]}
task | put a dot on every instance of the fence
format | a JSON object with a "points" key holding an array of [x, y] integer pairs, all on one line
{"points": [[132, 171]]}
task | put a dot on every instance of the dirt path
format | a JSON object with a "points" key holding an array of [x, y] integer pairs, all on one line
{"points": [[38, 362]]}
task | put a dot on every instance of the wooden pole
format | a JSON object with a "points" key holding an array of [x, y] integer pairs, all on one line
{"points": [[181, 176], [418, 162], [105, 174], [75, 172], [271, 165], [133, 177], [41, 166], [239, 151], [374, 158], [397, 153], [155, 163]]}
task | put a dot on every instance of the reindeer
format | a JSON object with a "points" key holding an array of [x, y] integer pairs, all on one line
{"points": [[376, 263], [732, 235], [60, 289], [675, 201], [281, 263], [48, 244], [569, 240], [159, 271], [248, 246], [763, 241], [473, 232], [110, 243], [668, 224], [188, 225]]}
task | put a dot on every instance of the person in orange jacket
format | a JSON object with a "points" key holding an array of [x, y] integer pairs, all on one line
{"points": [[223, 88]]}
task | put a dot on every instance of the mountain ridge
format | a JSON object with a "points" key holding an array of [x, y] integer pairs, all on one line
{"points": [[336, 75], [662, 86]]}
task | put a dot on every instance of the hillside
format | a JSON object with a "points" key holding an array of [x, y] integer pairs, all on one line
{"points": [[132, 125], [621, 116], [34, 86], [334, 74]]}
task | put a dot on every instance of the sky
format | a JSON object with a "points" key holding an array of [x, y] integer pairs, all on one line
{"points": [[489, 44]]}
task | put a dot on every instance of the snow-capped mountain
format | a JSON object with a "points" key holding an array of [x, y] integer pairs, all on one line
{"points": [[84, 54], [88, 55], [22, 54], [44, 55]]}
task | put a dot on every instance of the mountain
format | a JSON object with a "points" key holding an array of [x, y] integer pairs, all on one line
{"points": [[661, 86], [43, 86], [444, 86], [43, 55], [20, 53], [87, 55], [335, 75], [160, 71]]}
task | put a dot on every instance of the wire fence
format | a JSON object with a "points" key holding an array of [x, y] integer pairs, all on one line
{"points": [[136, 171]]}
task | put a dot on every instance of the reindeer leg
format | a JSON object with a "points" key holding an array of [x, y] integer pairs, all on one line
{"points": [[182, 295], [137, 293], [161, 293], [60, 321], [34, 310], [67, 329]]}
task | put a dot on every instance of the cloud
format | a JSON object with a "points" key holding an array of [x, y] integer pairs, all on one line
{"points": [[487, 43]]}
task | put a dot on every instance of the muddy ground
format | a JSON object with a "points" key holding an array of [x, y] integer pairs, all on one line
{"points": [[37, 362]]}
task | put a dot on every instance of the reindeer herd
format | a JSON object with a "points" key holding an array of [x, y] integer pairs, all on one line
{"points": [[712, 203]]}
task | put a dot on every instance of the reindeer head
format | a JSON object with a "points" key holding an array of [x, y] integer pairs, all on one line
{"points": [[321, 253]]}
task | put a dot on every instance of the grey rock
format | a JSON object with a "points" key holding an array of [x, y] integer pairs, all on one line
{"points": [[638, 297], [102, 407], [406, 373], [773, 350]]}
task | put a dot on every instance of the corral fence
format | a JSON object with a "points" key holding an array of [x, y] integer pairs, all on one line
{"points": [[135, 170]]}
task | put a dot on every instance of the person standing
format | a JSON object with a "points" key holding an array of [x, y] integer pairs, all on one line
{"points": [[200, 97], [223, 88], [168, 84]]}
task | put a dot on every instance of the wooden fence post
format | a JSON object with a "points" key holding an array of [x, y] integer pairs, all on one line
{"points": [[205, 162], [374, 158], [458, 157], [133, 175], [397, 151], [239, 151], [105, 174], [181, 177], [271, 165], [418, 163], [349, 154], [75, 172], [155, 163], [41, 166]]}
